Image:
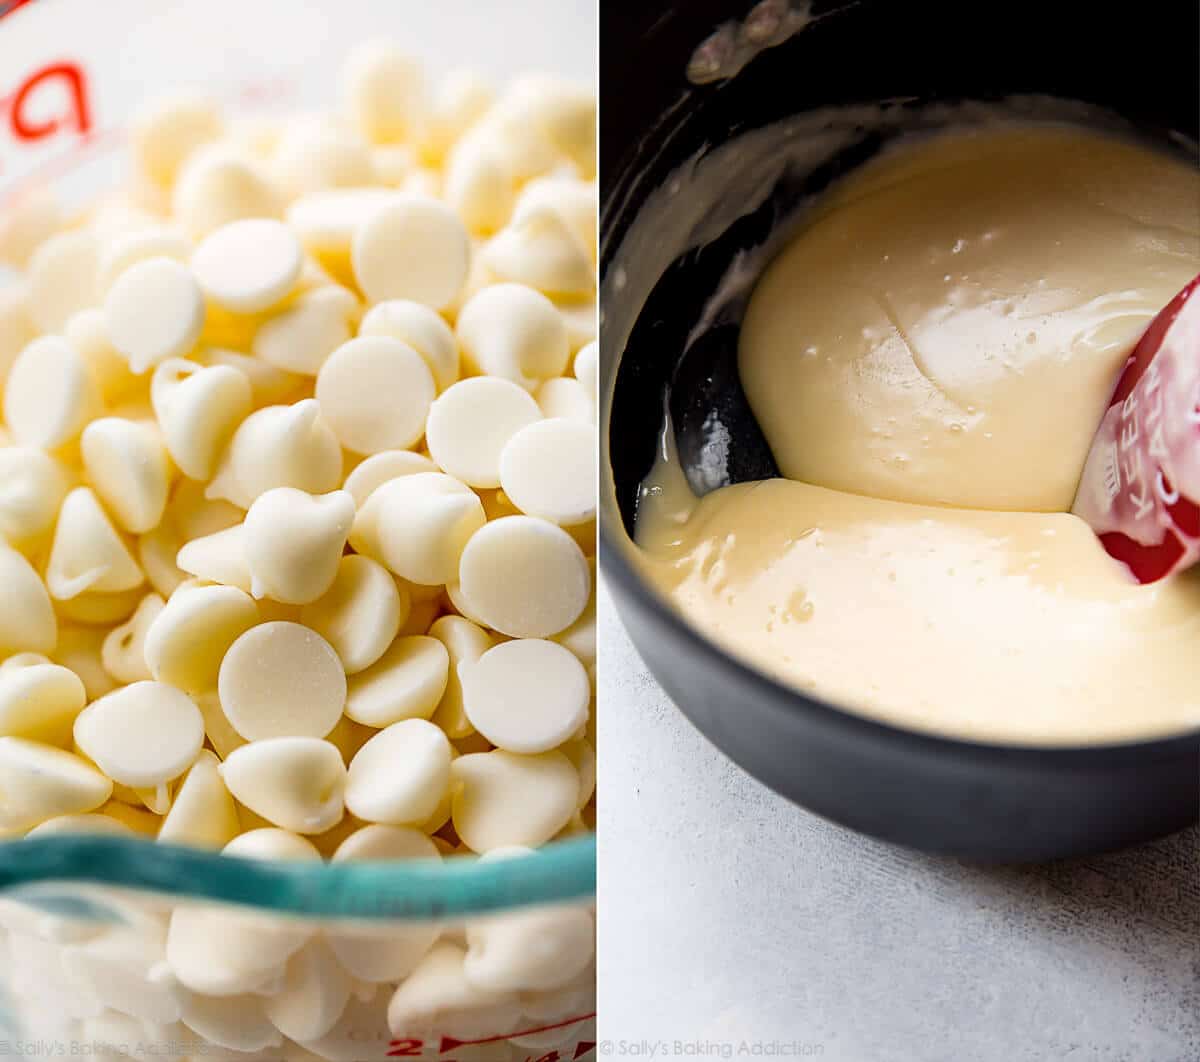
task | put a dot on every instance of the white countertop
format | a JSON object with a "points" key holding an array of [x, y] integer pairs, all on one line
{"points": [[739, 925]]}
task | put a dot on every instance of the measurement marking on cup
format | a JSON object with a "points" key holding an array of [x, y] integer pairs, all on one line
{"points": [[90, 141], [66, 81], [7, 7], [411, 1047]]}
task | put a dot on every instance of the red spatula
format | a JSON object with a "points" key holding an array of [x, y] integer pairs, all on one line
{"points": [[1140, 489]]}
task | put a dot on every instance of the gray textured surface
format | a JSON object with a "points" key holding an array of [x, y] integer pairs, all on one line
{"points": [[730, 916]]}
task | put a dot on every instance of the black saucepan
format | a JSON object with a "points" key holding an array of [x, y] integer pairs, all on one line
{"points": [[974, 800]]}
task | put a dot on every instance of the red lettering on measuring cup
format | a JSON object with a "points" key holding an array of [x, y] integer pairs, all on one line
{"points": [[77, 115], [7, 7]]}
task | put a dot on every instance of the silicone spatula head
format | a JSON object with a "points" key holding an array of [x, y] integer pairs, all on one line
{"points": [[1140, 489]]}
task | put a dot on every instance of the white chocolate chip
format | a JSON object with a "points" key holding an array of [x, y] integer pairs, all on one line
{"points": [[203, 813], [80, 648], [218, 558], [187, 640], [269, 384], [193, 515], [512, 331], [297, 783], [313, 994], [530, 951], [281, 679], [375, 394], [118, 215], [504, 798], [39, 701], [248, 266], [418, 525], [385, 953], [563, 112], [88, 553], [16, 328], [142, 735], [581, 317], [125, 969], [376, 842], [587, 368], [26, 223], [154, 311], [198, 409], [126, 463], [272, 844], [524, 577], [280, 446], [327, 221], [314, 154], [537, 248], [360, 614], [88, 334], [166, 132], [22, 660], [302, 337], [41, 782], [384, 93], [458, 99], [130, 248], [49, 395], [32, 488], [575, 202], [580, 636], [87, 823], [221, 735], [480, 186], [527, 695], [566, 398], [548, 469], [438, 999], [465, 643], [217, 186], [520, 142], [407, 682], [460, 603], [198, 943], [156, 552], [583, 758], [363, 1021], [432, 268], [393, 164], [422, 329], [238, 1023], [400, 775], [124, 650], [471, 422], [293, 542], [63, 278], [378, 469], [220, 952], [96, 608]]}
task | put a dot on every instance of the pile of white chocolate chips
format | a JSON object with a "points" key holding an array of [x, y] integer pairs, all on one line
{"points": [[297, 492]]}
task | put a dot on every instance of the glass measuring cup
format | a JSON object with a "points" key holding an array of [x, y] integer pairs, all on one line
{"points": [[85, 921]]}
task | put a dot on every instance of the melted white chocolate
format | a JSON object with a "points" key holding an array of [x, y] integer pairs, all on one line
{"points": [[949, 325], [970, 300]]}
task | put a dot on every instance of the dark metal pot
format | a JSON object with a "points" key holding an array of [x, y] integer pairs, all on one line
{"points": [[978, 801]]}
